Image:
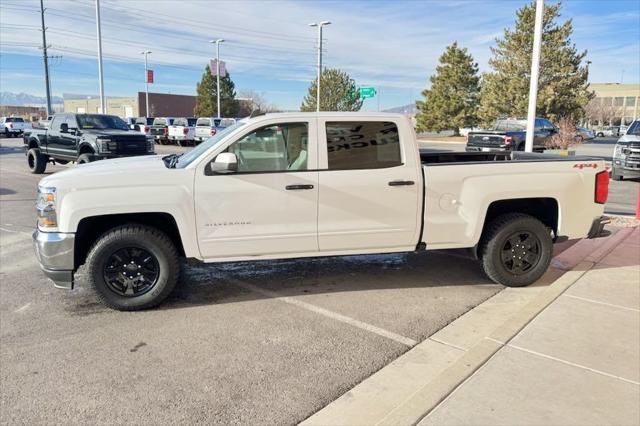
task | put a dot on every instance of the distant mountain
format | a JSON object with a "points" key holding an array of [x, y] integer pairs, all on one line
{"points": [[404, 109], [25, 99]]}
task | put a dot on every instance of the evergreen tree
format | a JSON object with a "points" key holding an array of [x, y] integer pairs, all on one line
{"points": [[563, 90], [337, 93], [207, 101], [452, 100]]}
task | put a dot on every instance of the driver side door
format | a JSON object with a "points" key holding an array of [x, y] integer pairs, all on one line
{"points": [[269, 206]]}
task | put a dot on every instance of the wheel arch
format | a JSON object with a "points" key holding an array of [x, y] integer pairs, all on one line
{"points": [[86, 148], [93, 227], [545, 209]]}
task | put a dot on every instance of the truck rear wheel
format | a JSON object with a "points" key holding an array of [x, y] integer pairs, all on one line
{"points": [[516, 250], [36, 161], [133, 267], [84, 159]]}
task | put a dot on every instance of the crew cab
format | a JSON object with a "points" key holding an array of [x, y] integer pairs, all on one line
{"points": [[509, 134], [82, 138], [13, 126], [142, 125], [303, 185], [183, 131], [160, 129], [209, 126], [626, 154]]}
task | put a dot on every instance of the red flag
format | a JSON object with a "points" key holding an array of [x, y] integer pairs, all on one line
{"points": [[149, 76]]}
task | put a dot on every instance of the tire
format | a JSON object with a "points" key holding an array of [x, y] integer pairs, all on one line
{"points": [[600, 135], [36, 161], [503, 239], [84, 159], [108, 280]]}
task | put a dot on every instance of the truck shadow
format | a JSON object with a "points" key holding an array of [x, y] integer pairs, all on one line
{"points": [[243, 281]]}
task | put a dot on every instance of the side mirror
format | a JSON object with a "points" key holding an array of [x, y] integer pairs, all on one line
{"points": [[225, 163], [64, 128]]}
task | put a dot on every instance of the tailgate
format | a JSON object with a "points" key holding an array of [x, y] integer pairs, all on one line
{"points": [[486, 139]]}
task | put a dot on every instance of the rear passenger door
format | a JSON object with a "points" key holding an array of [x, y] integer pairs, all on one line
{"points": [[369, 196]]}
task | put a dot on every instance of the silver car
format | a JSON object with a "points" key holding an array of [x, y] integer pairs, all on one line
{"points": [[626, 154]]}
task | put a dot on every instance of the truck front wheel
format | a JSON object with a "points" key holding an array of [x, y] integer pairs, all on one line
{"points": [[36, 161], [516, 250], [133, 267]]}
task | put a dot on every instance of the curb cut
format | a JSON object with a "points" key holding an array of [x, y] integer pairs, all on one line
{"points": [[407, 390]]}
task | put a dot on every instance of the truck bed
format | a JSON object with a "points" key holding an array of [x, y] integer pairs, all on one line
{"points": [[429, 157]]}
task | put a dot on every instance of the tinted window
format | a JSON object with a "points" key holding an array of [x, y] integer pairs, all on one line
{"points": [[15, 120], [101, 122], [507, 125], [362, 145], [277, 147], [191, 122]]}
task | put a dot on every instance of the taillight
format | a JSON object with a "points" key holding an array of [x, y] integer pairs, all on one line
{"points": [[11, 125], [602, 187], [146, 129], [165, 131], [213, 132], [508, 140], [185, 130]]}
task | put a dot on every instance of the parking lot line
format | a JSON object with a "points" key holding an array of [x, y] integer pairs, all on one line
{"points": [[602, 303], [327, 313]]}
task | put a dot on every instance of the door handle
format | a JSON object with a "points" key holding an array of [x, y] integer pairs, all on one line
{"points": [[401, 183], [297, 187]]}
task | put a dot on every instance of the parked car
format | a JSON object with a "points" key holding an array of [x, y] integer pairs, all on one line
{"points": [[183, 131], [611, 131], [209, 126], [142, 125], [584, 134], [626, 154], [509, 134], [82, 138], [13, 126], [309, 184], [160, 129]]}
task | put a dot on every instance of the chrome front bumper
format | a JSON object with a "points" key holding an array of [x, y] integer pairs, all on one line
{"points": [[55, 254]]}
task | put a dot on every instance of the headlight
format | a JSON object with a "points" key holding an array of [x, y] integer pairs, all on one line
{"points": [[46, 208], [106, 145], [617, 151]]}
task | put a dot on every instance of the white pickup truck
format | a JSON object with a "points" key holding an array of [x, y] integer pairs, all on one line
{"points": [[13, 126], [309, 184], [183, 131], [209, 126]]}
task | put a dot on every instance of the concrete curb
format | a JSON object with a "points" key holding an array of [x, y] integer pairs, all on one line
{"points": [[406, 390]]}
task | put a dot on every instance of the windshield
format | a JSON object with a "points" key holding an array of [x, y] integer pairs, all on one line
{"points": [[101, 122], [188, 157], [14, 120], [634, 129], [506, 125]]}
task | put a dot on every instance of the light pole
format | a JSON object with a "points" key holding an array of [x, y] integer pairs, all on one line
{"points": [[535, 69], [217, 42], [146, 81], [100, 76], [320, 25]]}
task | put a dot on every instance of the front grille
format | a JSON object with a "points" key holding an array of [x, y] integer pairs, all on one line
{"points": [[131, 145]]}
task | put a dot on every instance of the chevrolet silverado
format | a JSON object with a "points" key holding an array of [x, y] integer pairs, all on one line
{"points": [[303, 185]]}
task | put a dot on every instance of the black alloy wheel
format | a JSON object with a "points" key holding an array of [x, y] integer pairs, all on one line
{"points": [[521, 252], [131, 271]]}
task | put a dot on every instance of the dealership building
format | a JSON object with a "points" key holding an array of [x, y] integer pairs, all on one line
{"points": [[160, 105], [619, 103]]}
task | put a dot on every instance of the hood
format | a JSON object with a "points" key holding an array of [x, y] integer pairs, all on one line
{"points": [[114, 172], [629, 138], [110, 132]]}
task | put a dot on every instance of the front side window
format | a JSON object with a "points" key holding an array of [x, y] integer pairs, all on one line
{"points": [[273, 148], [56, 122], [362, 145]]}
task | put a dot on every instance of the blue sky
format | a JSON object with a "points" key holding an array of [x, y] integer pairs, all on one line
{"points": [[393, 45]]}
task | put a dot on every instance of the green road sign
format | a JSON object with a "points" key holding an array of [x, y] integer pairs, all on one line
{"points": [[367, 92]]}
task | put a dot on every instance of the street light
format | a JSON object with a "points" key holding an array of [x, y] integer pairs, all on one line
{"points": [[146, 81], [100, 75], [217, 43], [320, 25]]}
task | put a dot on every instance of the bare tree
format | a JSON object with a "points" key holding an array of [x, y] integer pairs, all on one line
{"points": [[256, 101], [602, 112]]}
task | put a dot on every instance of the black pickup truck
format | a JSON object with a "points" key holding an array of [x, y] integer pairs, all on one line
{"points": [[160, 129], [82, 138], [509, 134]]}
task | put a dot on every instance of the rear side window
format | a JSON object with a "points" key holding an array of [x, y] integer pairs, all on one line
{"points": [[15, 120], [362, 145]]}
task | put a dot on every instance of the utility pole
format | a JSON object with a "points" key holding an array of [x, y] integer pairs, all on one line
{"points": [[100, 76], [320, 25], [146, 81], [535, 69], [217, 42], [46, 60]]}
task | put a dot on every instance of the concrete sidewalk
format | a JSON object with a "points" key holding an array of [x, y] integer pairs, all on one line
{"points": [[565, 351]]}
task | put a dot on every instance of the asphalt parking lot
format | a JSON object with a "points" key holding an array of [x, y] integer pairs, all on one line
{"points": [[622, 195], [262, 343]]}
